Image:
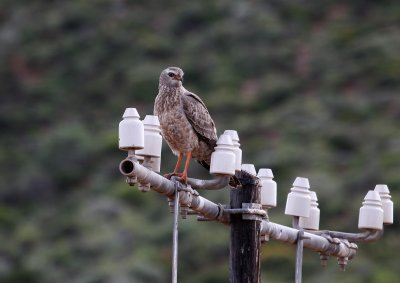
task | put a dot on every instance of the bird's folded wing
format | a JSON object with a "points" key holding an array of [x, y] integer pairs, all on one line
{"points": [[198, 116]]}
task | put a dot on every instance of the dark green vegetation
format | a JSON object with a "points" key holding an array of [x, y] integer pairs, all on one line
{"points": [[312, 87]]}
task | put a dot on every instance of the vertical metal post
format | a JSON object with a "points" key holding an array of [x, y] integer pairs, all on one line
{"points": [[299, 250], [175, 238], [299, 256]]}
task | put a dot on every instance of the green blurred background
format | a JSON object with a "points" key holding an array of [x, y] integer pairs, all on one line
{"points": [[312, 87]]}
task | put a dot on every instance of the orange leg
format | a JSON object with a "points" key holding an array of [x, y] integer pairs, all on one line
{"points": [[178, 164], [184, 175]]}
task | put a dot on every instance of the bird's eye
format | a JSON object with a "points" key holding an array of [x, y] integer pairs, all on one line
{"points": [[171, 74]]}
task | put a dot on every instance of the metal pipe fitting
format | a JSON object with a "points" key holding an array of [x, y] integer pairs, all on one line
{"points": [[130, 167], [366, 236], [127, 166], [324, 259], [342, 262], [334, 247]]}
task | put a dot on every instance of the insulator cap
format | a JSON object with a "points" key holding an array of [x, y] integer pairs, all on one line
{"points": [[311, 222], [223, 157], [387, 203], [298, 200], [131, 131], [268, 188], [249, 168], [238, 152], [371, 212], [152, 137]]}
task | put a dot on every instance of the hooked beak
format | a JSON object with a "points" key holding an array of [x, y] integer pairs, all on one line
{"points": [[178, 78]]}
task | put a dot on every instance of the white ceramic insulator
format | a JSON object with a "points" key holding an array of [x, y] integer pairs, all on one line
{"points": [[238, 152], [249, 168], [371, 212], [131, 131], [311, 222], [223, 157], [152, 137], [298, 200], [268, 188], [387, 203], [140, 158], [156, 164]]}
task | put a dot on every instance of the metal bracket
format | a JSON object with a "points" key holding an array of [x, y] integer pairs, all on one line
{"points": [[255, 211], [144, 187], [249, 211]]}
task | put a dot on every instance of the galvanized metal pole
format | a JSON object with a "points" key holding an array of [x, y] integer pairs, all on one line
{"points": [[175, 238], [299, 256], [299, 249]]}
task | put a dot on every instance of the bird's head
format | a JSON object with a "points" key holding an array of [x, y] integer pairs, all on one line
{"points": [[171, 77]]}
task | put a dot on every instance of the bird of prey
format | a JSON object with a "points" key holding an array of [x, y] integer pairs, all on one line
{"points": [[185, 123]]}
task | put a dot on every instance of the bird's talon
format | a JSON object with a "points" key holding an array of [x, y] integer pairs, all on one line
{"points": [[183, 180], [170, 175]]}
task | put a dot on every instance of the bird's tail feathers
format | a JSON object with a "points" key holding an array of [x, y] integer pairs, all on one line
{"points": [[204, 163]]}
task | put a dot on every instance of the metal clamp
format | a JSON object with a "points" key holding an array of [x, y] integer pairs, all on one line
{"points": [[249, 211]]}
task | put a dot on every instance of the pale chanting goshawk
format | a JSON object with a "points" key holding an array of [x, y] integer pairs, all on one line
{"points": [[186, 125]]}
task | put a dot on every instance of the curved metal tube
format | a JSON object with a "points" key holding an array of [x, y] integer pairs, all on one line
{"points": [[219, 182], [366, 236]]}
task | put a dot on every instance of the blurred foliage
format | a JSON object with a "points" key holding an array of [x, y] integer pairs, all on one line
{"points": [[311, 86]]}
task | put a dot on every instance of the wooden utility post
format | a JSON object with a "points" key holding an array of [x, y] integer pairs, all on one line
{"points": [[245, 241]]}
